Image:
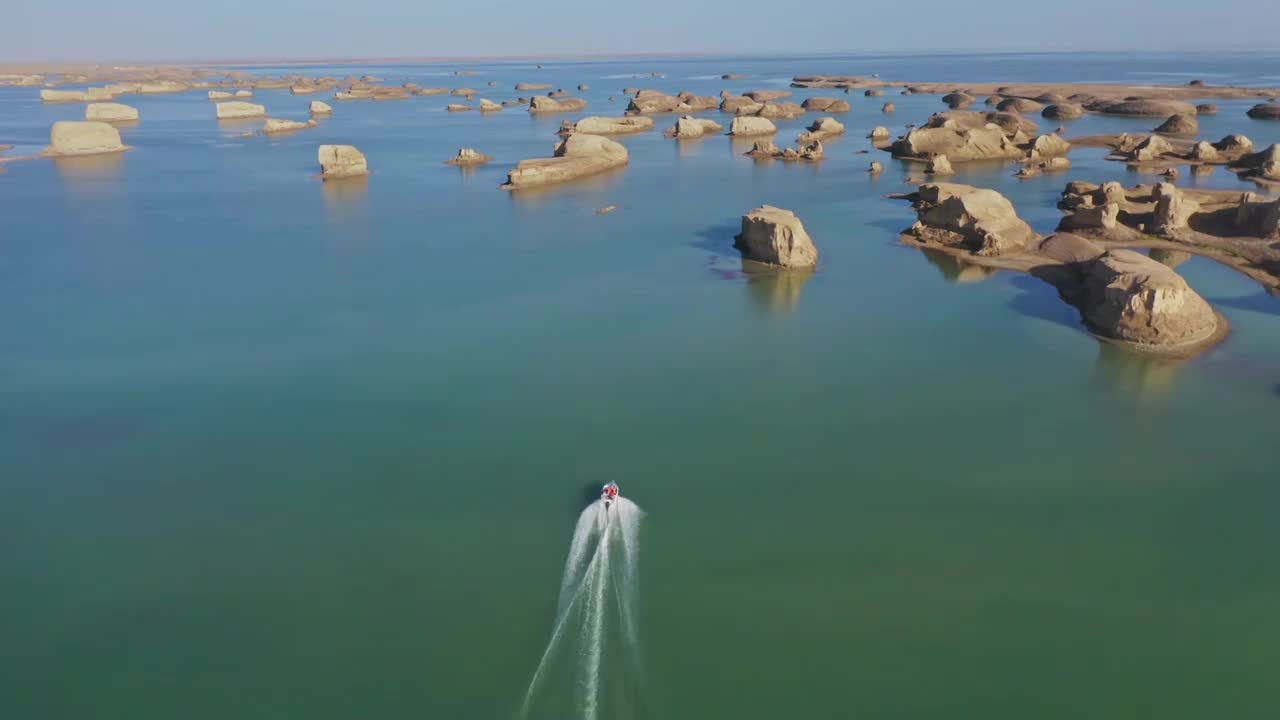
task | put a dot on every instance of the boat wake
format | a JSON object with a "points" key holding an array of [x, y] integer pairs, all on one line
{"points": [[591, 667]]}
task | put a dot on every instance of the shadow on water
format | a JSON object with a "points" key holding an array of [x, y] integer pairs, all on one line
{"points": [[955, 269], [1037, 299], [718, 240]]}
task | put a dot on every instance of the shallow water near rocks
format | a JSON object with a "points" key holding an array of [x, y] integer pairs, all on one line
{"points": [[271, 447]]}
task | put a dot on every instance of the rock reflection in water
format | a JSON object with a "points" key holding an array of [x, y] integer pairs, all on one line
{"points": [[957, 270], [346, 199], [598, 183], [775, 290], [1135, 375]]}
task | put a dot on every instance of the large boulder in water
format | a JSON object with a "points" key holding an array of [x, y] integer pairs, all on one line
{"points": [[689, 127], [110, 112], [579, 155], [236, 110], [543, 104], [1063, 111], [71, 137], [1179, 125], [777, 237], [960, 145], [1265, 111], [980, 220], [826, 104], [1130, 297], [613, 125], [340, 161], [1142, 106], [752, 127]]}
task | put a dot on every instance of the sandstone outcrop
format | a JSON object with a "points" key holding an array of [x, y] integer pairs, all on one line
{"points": [[880, 133], [539, 104], [1265, 111], [822, 128], [1019, 105], [457, 107], [488, 106], [277, 125], [1206, 109], [776, 237], [736, 103], [826, 104], [1064, 111], [752, 126], [979, 220], [1142, 106], [342, 161], [807, 150], [110, 112], [220, 95], [939, 165], [520, 87], [235, 110], [1130, 297], [87, 95], [613, 125], [83, 137], [431, 91], [467, 157], [1051, 145], [689, 127], [958, 100], [320, 108], [888, 108], [1179, 125], [958, 136], [776, 110], [765, 95], [578, 155]]}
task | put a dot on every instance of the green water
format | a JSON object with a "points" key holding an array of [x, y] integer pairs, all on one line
{"points": [[271, 448]]}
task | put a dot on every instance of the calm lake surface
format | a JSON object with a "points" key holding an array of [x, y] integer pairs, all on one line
{"points": [[277, 448]]}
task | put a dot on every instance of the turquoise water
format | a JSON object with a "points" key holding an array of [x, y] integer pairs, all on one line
{"points": [[271, 447]]}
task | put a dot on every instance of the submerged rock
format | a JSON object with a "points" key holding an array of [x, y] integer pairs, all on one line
{"points": [[579, 155], [110, 112], [777, 237], [86, 137], [340, 161]]}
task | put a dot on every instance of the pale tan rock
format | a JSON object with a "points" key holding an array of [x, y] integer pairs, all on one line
{"points": [[110, 112], [736, 103], [689, 127], [880, 133], [234, 110], [276, 125], [777, 237], [463, 92], [532, 86], [468, 156], [752, 126], [980, 220], [541, 104], [875, 168], [613, 125], [939, 165], [339, 161], [1128, 296], [457, 107], [766, 95], [1150, 149], [320, 108], [1173, 209], [1051, 145], [244, 93], [431, 91], [579, 155], [86, 95], [826, 104], [71, 137], [160, 87], [219, 95], [1180, 125], [888, 108], [488, 106]]}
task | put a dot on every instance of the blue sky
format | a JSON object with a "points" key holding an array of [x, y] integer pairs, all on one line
{"points": [[283, 29]]}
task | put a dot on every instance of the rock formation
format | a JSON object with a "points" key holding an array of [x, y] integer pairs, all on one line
{"points": [[488, 106], [734, 104], [766, 95], [1265, 111], [1142, 106], [826, 104], [979, 220], [1051, 145], [777, 237], [276, 125], [823, 127], [1065, 111], [1019, 105], [539, 104], [467, 157], [939, 165], [807, 150], [457, 107], [960, 137], [880, 133], [579, 155], [752, 126], [1130, 297], [87, 95], [689, 127], [613, 125], [958, 100], [875, 168], [888, 107], [341, 161], [72, 137], [1206, 109], [220, 95], [1179, 125], [521, 87], [235, 110], [110, 112], [320, 108]]}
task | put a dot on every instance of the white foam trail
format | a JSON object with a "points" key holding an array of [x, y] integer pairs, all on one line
{"points": [[599, 582]]}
